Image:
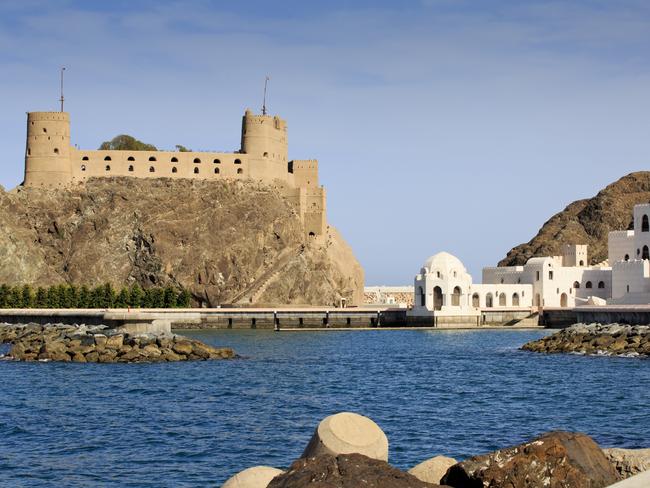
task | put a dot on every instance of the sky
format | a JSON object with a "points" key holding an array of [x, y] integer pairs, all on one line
{"points": [[439, 125]]}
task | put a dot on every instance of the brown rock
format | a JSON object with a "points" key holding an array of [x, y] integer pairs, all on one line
{"points": [[101, 340], [115, 341], [553, 460], [629, 462], [92, 357], [78, 358], [183, 347], [345, 471]]}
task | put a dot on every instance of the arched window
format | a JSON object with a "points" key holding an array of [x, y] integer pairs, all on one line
{"points": [[576, 284], [237, 161], [152, 158], [564, 300], [502, 300], [131, 168], [266, 155], [601, 284], [44, 130], [476, 300], [130, 158], [197, 160], [107, 158], [216, 171], [582, 263], [240, 171], [437, 298], [108, 168], [85, 158], [174, 170], [646, 253], [311, 234], [217, 161], [489, 300], [588, 284], [455, 296], [627, 257], [174, 159], [196, 171], [515, 300], [56, 150], [152, 169], [645, 226], [83, 167]]}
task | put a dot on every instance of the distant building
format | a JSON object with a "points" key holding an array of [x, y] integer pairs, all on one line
{"points": [[443, 286], [398, 296], [51, 162]]}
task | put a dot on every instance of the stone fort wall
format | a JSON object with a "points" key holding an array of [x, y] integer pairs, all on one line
{"points": [[51, 162]]}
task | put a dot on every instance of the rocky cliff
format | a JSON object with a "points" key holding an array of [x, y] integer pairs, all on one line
{"points": [[587, 221], [227, 242]]}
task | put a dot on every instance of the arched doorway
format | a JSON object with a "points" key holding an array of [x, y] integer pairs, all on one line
{"points": [[476, 301], [564, 300], [502, 300], [421, 297], [437, 298], [515, 300], [455, 297], [489, 301], [646, 253]]}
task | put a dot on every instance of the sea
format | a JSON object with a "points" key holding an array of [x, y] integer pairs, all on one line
{"points": [[456, 393]]}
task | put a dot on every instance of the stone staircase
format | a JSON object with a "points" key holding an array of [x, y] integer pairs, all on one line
{"points": [[531, 320], [255, 291]]}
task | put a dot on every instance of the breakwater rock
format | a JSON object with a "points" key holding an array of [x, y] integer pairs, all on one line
{"points": [[553, 460], [97, 344], [611, 339]]}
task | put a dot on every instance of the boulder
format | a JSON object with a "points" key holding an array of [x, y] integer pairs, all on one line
{"points": [[345, 471], [184, 348], [255, 477], [115, 341], [553, 460], [432, 470], [628, 462], [346, 433]]}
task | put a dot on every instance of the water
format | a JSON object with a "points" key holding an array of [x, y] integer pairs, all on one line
{"points": [[456, 393]]}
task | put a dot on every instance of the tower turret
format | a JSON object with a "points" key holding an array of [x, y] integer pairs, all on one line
{"points": [[47, 154], [264, 139]]}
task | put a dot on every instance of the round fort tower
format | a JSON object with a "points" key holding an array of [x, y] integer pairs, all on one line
{"points": [[264, 136], [47, 155]]}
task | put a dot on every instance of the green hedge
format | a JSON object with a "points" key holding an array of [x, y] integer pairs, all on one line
{"points": [[105, 296]]}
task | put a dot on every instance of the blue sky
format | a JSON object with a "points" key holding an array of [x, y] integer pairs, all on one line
{"points": [[450, 125]]}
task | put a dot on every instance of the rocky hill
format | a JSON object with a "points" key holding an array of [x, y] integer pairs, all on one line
{"points": [[226, 242], [587, 221]]}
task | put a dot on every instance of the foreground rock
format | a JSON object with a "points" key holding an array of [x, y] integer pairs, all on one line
{"points": [[629, 462], [346, 433], [612, 339], [554, 460], [255, 477], [97, 344], [432, 470], [345, 471]]}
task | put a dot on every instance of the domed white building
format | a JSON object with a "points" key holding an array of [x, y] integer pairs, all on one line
{"points": [[443, 284]]}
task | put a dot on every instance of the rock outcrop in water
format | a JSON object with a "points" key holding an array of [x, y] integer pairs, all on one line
{"points": [[225, 241], [97, 344], [611, 339], [587, 221]]}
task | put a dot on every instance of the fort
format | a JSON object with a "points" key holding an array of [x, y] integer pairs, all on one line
{"points": [[51, 162]]}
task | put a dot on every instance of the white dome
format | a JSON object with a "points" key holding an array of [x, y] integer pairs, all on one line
{"points": [[444, 260]]}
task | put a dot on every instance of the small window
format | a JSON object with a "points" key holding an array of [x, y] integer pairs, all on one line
{"points": [[174, 159], [44, 130], [56, 150], [266, 155], [29, 151], [582, 263], [502, 281], [601, 284], [550, 275], [237, 161], [196, 171], [628, 288], [108, 168], [85, 158], [152, 169], [217, 161], [537, 276], [83, 167], [645, 225], [197, 160], [130, 158], [576, 284], [588, 284], [107, 158], [131, 168], [216, 171], [240, 171], [152, 158], [174, 170], [627, 257]]}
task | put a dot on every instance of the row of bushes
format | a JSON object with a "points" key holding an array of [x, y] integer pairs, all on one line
{"points": [[104, 296]]}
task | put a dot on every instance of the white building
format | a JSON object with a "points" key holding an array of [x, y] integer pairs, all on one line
{"points": [[443, 286]]}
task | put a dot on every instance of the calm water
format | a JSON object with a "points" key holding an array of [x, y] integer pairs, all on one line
{"points": [[194, 424]]}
